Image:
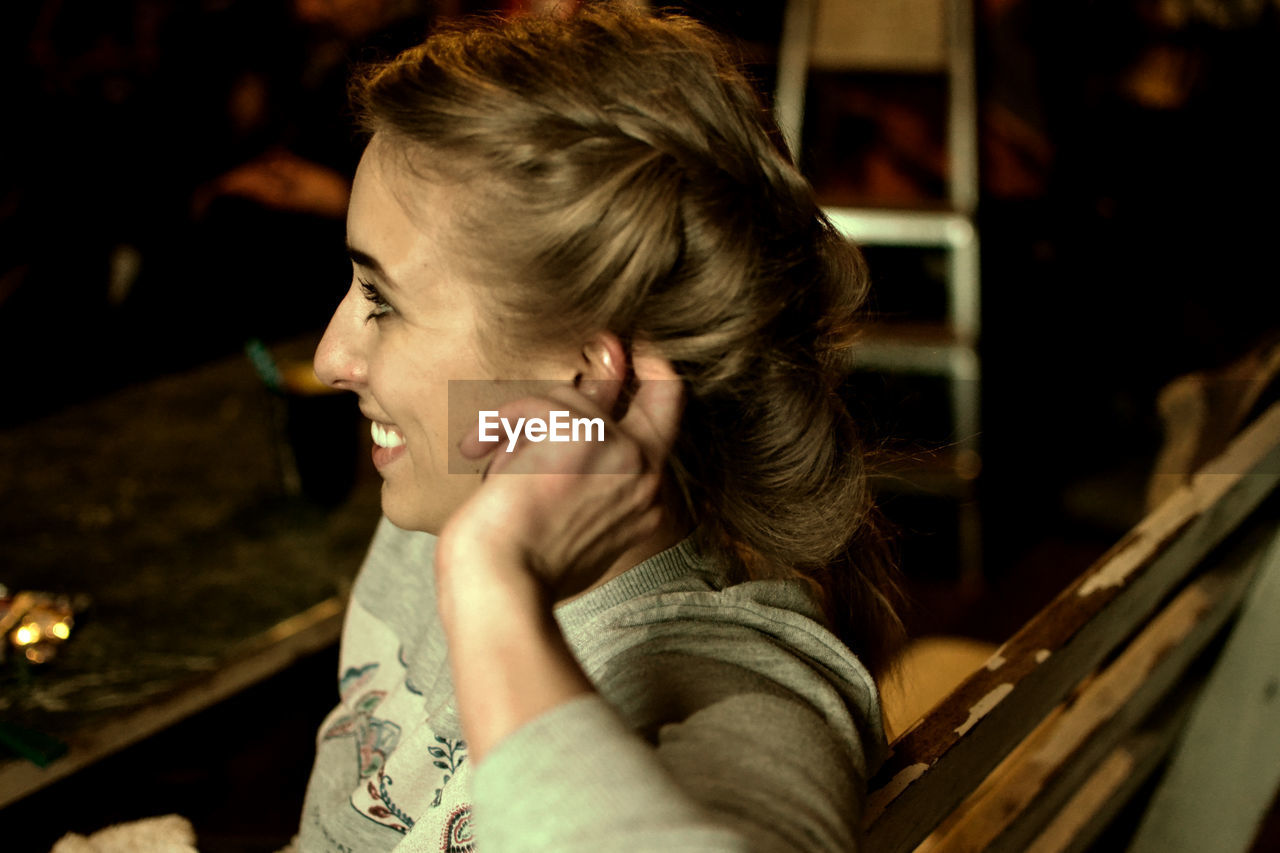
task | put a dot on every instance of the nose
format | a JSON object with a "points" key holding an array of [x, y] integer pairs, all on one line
{"points": [[340, 358]]}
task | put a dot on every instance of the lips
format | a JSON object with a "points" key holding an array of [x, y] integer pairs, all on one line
{"points": [[388, 444]]}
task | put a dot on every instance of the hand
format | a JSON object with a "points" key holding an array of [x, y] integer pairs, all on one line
{"points": [[563, 514], [283, 181], [549, 520]]}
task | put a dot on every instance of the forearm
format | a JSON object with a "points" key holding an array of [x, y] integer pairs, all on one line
{"points": [[510, 662], [740, 762], [576, 779]]}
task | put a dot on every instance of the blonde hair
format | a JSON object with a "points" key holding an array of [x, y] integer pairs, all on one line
{"points": [[636, 185]]}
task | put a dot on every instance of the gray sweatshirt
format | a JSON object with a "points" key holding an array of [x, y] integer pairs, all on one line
{"points": [[727, 718]]}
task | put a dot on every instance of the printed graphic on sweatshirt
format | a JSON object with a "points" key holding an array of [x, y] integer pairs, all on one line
{"points": [[355, 679], [449, 756], [419, 760], [408, 679], [375, 739], [457, 836]]}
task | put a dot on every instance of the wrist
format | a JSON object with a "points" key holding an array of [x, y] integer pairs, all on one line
{"points": [[485, 586], [510, 662]]}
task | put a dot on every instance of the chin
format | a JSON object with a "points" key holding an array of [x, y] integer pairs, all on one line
{"points": [[407, 516], [415, 505]]}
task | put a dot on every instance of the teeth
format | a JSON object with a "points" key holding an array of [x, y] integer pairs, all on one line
{"points": [[385, 436]]}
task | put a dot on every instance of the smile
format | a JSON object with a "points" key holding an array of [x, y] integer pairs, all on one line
{"points": [[385, 436]]}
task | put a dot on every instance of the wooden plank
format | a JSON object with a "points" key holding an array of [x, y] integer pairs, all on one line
{"points": [[937, 840], [1111, 785], [1226, 767], [934, 765], [1023, 794], [269, 653]]}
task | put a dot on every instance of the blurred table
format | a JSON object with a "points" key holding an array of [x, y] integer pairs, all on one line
{"points": [[166, 504]]}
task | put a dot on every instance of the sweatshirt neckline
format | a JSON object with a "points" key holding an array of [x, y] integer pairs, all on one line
{"points": [[680, 560]]}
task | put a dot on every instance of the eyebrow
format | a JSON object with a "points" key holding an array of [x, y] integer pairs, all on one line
{"points": [[364, 259]]}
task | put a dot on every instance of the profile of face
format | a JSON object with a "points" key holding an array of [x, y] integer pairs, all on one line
{"points": [[410, 322]]}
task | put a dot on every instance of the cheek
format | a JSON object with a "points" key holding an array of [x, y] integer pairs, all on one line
{"points": [[399, 378], [415, 395]]}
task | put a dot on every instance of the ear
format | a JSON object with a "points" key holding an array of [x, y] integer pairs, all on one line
{"points": [[605, 358], [605, 372]]}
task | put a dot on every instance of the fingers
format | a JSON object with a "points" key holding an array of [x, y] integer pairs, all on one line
{"points": [[605, 394], [565, 414], [512, 423], [608, 492], [653, 418], [560, 432]]}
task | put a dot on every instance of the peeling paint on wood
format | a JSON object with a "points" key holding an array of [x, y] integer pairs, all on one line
{"points": [[916, 787], [883, 796], [984, 706], [1189, 501], [1133, 551]]}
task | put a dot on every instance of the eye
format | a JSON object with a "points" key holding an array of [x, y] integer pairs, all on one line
{"points": [[380, 306]]}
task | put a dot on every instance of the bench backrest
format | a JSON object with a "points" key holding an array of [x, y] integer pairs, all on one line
{"points": [[1118, 643]]}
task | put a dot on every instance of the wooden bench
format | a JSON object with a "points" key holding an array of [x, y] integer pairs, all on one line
{"points": [[1165, 653]]}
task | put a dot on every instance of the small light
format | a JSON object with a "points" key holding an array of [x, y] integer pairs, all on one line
{"points": [[37, 654], [61, 630], [968, 464], [27, 634]]}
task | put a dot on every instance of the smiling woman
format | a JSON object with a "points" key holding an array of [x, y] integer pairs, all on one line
{"points": [[661, 638]]}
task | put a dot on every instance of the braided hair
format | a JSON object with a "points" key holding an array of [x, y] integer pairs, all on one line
{"points": [[635, 184]]}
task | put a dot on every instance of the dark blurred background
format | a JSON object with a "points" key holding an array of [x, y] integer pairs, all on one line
{"points": [[175, 182], [174, 185], [175, 178]]}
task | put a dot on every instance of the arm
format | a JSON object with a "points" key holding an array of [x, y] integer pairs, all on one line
{"points": [[743, 766], [550, 521], [757, 770], [510, 663], [706, 755], [282, 181]]}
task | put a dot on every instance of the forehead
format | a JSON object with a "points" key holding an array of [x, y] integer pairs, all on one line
{"points": [[384, 186], [397, 216]]}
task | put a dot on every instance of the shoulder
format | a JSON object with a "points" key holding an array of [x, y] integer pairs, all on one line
{"points": [[677, 641]]}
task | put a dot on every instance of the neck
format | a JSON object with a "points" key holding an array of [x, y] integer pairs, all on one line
{"points": [[672, 529]]}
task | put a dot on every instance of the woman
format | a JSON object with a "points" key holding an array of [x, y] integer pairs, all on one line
{"points": [[635, 646]]}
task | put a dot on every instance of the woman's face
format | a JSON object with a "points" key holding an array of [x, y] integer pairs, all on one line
{"points": [[406, 327]]}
